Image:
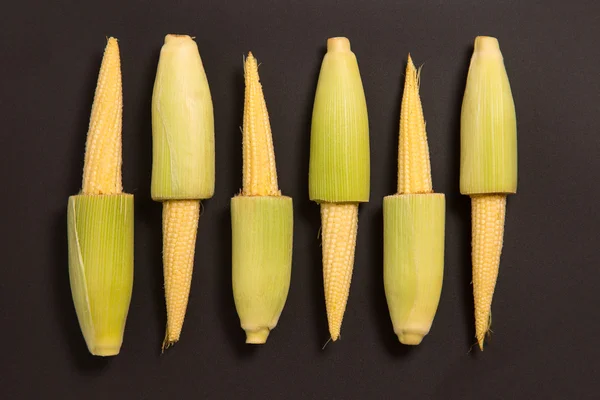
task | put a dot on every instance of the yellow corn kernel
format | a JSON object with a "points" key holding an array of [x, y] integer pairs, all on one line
{"points": [[260, 174], [487, 218], [103, 159], [180, 224], [340, 224], [414, 168]]}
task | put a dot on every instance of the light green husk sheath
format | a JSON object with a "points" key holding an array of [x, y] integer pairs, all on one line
{"points": [[262, 259], [339, 166], [488, 132], [100, 233], [413, 226], [183, 143]]}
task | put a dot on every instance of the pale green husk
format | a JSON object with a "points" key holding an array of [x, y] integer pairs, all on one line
{"points": [[262, 235], [100, 237], [339, 168], [413, 264], [183, 145], [488, 162]]}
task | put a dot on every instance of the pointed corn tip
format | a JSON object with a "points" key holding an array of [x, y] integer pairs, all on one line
{"points": [[410, 65], [112, 48], [338, 44], [480, 343], [335, 323], [103, 155], [410, 338], [168, 343], [259, 169], [257, 337]]}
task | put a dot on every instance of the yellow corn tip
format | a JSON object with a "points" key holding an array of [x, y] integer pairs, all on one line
{"points": [[414, 168], [488, 212], [180, 224], [260, 173], [102, 165], [340, 223]]}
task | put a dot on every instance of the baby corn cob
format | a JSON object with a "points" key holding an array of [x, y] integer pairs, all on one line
{"points": [[488, 169], [339, 170], [262, 222], [183, 165], [414, 221], [100, 221]]}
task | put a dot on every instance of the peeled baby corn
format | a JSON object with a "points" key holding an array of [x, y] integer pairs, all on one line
{"points": [[488, 167], [100, 221], [183, 165], [339, 170], [413, 225], [261, 222]]}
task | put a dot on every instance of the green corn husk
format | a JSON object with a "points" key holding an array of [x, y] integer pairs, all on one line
{"points": [[413, 261], [100, 236], [183, 141], [339, 168], [488, 162], [262, 236]]}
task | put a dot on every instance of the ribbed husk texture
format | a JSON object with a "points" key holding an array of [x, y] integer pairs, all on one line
{"points": [[262, 229], [339, 167], [488, 153], [183, 145], [100, 236], [413, 265]]}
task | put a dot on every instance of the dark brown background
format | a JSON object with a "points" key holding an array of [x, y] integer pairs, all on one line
{"points": [[546, 319]]}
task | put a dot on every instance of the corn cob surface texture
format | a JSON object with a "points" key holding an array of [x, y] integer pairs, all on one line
{"points": [[103, 149], [487, 219], [414, 167], [262, 222], [180, 226]]}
